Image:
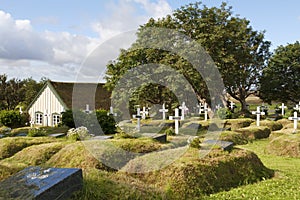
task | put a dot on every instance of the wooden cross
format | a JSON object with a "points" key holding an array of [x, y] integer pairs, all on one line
{"points": [[138, 117], [20, 110], [282, 108], [258, 113], [183, 109], [163, 111], [144, 113], [296, 119], [297, 107], [231, 106], [176, 117], [111, 112], [199, 106], [87, 109]]}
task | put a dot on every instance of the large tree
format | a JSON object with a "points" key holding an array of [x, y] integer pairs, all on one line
{"points": [[280, 80], [239, 52]]}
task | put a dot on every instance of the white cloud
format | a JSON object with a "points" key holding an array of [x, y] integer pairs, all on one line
{"points": [[127, 15]]}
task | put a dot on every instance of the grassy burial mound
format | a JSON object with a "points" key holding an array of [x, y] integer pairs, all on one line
{"points": [[190, 177], [234, 124], [285, 145], [255, 132], [272, 125], [235, 137]]}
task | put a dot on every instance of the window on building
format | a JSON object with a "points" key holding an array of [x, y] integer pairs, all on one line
{"points": [[56, 119], [39, 118]]}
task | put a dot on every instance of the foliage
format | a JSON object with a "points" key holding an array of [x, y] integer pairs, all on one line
{"points": [[11, 118], [239, 52], [67, 119], [196, 143], [36, 132], [170, 131], [280, 80], [79, 133], [224, 113], [107, 122]]}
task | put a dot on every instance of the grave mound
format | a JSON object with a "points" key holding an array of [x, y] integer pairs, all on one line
{"points": [[235, 124], [254, 132], [235, 137], [190, 177], [285, 145], [272, 125]]}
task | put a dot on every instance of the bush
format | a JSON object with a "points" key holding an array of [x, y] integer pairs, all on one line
{"points": [[224, 113], [11, 118], [79, 133], [67, 119], [107, 122], [36, 132], [196, 143], [170, 131]]}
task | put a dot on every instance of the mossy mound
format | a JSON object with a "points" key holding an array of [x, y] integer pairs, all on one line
{"points": [[190, 177], [291, 126], [288, 131], [255, 132], [10, 146], [235, 124], [235, 137], [285, 145], [272, 125], [284, 122]]}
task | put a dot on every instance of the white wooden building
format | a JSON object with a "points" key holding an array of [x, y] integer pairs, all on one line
{"points": [[56, 97]]}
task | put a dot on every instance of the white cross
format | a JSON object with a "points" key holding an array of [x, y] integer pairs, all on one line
{"points": [[20, 110], [282, 108], [296, 119], [183, 109], [199, 106], [138, 117], [231, 105], [258, 113], [176, 118], [144, 113], [31, 123], [87, 108], [205, 111], [297, 107], [111, 112], [163, 110]]}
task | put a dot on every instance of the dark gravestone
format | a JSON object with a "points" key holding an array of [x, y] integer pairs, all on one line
{"points": [[159, 137], [225, 145], [57, 135], [42, 184]]}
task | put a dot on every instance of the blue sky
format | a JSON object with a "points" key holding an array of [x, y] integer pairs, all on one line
{"points": [[52, 38]]}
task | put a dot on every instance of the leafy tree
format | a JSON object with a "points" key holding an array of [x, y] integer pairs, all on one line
{"points": [[239, 52], [280, 80], [11, 118]]}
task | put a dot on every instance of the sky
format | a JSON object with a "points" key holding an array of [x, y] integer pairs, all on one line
{"points": [[53, 39]]}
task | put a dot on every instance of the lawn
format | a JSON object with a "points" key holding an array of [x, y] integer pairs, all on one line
{"points": [[285, 184]]}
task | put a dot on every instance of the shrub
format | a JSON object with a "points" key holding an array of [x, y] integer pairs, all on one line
{"points": [[224, 113], [79, 133], [196, 143], [107, 122], [11, 118], [67, 119], [36, 132], [170, 131]]}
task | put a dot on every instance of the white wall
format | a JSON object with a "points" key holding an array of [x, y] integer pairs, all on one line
{"points": [[46, 102]]}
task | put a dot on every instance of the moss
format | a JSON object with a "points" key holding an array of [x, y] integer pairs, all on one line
{"points": [[254, 132], [273, 125], [284, 122], [235, 137], [235, 124], [190, 177], [285, 145]]}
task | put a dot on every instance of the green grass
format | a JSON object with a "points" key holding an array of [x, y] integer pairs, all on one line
{"points": [[285, 184]]}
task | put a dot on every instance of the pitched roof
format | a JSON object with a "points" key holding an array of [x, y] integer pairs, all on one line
{"points": [[77, 95]]}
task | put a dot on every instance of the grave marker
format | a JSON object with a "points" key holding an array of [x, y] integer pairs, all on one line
{"points": [[282, 108], [42, 184], [258, 113], [295, 119], [297, 107], [183, 109], [199, 106], [138, 117], [205, 111], [163, 111], [111, 112], [144, 113], [20, 110], [232, 106], [176, 117], [87, 109]]}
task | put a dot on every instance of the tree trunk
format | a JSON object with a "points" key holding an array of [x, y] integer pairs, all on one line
{"points": [[244, 107]]}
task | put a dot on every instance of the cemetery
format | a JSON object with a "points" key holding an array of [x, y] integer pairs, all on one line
{"points": [[81, 141]]}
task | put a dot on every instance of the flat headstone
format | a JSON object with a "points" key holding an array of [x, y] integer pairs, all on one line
{"points": [[225, 145], [193, 126], [57, 135], [21, 135], [102, 137], [159, 137], [42, 184]]}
